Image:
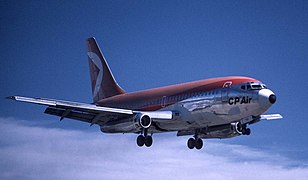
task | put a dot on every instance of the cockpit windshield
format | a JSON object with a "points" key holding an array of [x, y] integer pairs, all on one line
{"points": [[253, 86]]}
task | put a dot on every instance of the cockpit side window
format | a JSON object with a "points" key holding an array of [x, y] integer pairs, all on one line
{"points": [[264, 86], [252, 86], [256, 86]]}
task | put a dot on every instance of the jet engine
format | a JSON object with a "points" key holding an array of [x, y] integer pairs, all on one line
{"points": [[240, 129], [143, 120], [236, 127]]}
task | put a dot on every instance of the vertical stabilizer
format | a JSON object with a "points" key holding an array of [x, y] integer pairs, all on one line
{"points": [[103, 83]]}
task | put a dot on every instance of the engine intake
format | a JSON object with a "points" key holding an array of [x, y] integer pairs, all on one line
{"points": [[143, 120], [237, 127]]}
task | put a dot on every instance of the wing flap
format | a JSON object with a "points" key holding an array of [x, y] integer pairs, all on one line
{"points": [[85, 117]]}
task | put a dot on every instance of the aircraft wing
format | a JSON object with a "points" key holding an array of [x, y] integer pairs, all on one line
{"points": [[90, 113], [270, 116]]}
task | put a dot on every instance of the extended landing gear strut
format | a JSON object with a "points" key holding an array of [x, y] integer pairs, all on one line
{"points": [[243, 129], [144, 139], [246, 131], [195, 143]]}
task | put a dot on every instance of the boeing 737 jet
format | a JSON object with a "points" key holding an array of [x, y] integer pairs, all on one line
{"points": [[211, 108]]}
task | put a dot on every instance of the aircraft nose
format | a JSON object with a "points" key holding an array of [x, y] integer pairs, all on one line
{"points": [[266, 97], [272, 98]]}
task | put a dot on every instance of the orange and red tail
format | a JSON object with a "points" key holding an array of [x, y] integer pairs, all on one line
{"points": [[103, 83]]}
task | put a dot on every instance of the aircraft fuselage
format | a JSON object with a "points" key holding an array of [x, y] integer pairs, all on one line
{"points": [[198, 104]]}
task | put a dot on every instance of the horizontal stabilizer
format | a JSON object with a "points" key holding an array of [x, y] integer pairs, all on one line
{"points": [[271, 117]]}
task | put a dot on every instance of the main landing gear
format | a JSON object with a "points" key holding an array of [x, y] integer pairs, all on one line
{"points": [[243, 129], [195, 143], [246, 131], [145, 139]]}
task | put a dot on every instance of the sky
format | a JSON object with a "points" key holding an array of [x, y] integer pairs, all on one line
{"points": [[150, 44]]}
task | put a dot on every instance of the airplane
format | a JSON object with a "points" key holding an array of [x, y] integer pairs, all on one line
{"points": [[212, 108]]}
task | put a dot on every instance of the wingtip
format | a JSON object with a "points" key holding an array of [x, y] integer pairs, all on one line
{"points": [[11, 97]]}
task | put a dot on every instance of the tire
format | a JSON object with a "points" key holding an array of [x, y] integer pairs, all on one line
{"points": [[244, 131], [248, 131], [191, 143], [148, 141], [199, 143], [140, 140]]}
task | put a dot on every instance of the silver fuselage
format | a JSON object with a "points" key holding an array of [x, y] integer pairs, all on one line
{"points": [[205, 109]]}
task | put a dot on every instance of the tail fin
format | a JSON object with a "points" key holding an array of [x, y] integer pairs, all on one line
{"points": [[103, 83]]}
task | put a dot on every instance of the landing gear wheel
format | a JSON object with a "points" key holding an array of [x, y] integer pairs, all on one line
{"points": [[243, 131], [247, 132], [191, 143], [198, 143], [140, 140], [148, 141]]}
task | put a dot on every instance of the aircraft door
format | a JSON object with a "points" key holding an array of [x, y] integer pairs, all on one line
{"points": [[163, 101], [225, 91], [224, 94]]}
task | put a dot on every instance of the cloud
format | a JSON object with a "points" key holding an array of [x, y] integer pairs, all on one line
{"points": [[38, 152]]}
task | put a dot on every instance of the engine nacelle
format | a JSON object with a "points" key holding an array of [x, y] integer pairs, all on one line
{"points": [[143, 121], [237, 127]]}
